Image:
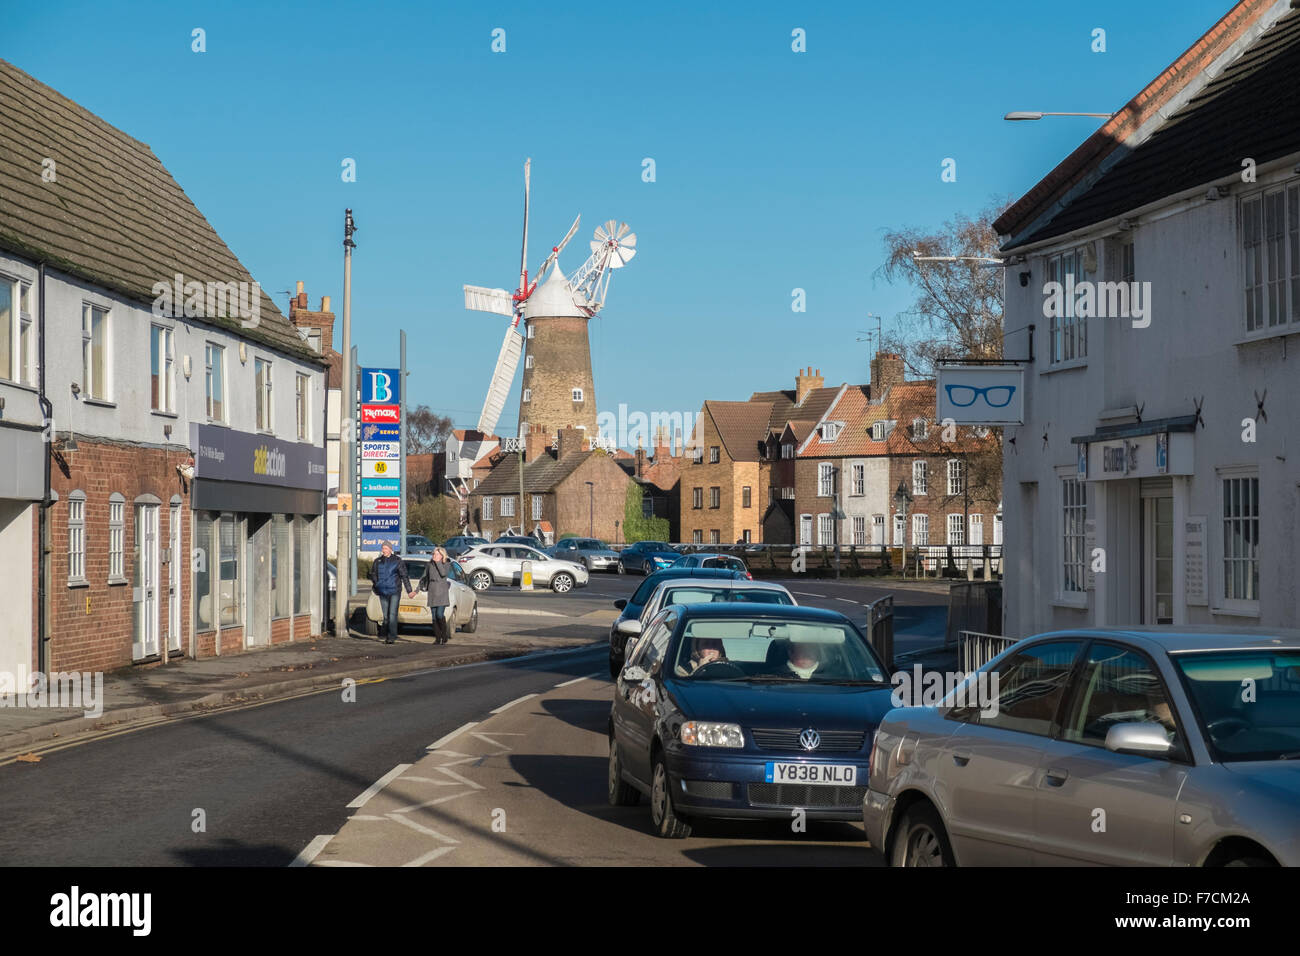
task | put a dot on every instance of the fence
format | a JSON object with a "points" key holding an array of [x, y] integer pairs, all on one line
{"points": [[880, 628], [975, 649], [818, 559], [973, 606]]}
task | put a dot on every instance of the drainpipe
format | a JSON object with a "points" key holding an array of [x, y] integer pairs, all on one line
{"points": [[43, 522]]}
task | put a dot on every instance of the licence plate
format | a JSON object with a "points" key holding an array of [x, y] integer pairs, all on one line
{"points": [[825, 774], [411, 609]]}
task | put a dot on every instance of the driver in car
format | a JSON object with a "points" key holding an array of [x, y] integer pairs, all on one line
{"points": [[706, 650], [803, 660]]}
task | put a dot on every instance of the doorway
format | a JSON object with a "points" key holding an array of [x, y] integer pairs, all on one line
{"points": [[145, 592], [174, 559], [257, 629], [1158, 559]]}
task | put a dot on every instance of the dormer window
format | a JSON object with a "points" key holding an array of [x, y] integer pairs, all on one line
{"points": [[918, 428], [313, 339], [830, 431], [878, 431]]}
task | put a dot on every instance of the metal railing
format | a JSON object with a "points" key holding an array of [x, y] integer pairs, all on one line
{"points": [[975, 649], [880, 628]]}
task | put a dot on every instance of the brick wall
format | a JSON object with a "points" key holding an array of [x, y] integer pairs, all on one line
{"points": [[280, 631], [936, 502], [579, 508]]}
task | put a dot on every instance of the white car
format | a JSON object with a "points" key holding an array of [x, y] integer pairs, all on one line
{"points": [[462, 611], [489, 564]]}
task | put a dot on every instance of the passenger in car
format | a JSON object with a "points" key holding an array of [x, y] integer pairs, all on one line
{"points": [[804, 659]]}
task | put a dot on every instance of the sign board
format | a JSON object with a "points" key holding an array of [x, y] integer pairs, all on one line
{"points": [[380, 487], [380, 468], [380, 454], [1195, 588], [381, 432], [381, 506], [224, 454], [381, 386], [381, 414], [381, 449], [1142, 456], [981, 394], [386, 525], [345, 504]]}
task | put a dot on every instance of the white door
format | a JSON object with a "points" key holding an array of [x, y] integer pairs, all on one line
{"points": [[174, 559], [145, 592], [805, 529]]}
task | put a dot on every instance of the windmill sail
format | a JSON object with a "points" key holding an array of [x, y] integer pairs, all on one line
{"points": [[480, 299], [507, 361]]}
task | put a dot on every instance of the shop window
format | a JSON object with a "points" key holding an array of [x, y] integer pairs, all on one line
{"points": [[302, 565], [202, 564], [230, 574], [281, 556]]}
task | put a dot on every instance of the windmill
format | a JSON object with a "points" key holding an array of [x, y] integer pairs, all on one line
{"points": [[582, 294]]}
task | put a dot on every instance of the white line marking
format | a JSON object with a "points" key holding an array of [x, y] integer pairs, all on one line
{"points": [[455, 776], [578, 680], [364, 816], [310, 851], [442, 741], [432, 803], [436, 783], [517, 700], [430, 856], [408, 822], [808, 593], [378, 785], [848, 600], [339, 863], [482, 609]]}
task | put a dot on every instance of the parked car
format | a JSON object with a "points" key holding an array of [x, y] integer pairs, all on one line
{"points": [[681, 590], [710, 560], [462, 611], [518, 539], [418, 544], [646, 557], [632, 607], [458, 545], [488, 564], [779, 720], [1187, 739], [592, 552]]}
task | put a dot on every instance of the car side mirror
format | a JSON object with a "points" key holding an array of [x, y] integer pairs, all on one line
{"points": [[1147, 739], [634, 674], [620, 603], [631, 627]]}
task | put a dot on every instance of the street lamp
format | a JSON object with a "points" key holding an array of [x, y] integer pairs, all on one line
{"points": [[591, 506], [903, 498], [982, 260], [1021, 115]]}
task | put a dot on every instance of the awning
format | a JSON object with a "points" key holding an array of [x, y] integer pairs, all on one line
{"points": [[1180, 423]]}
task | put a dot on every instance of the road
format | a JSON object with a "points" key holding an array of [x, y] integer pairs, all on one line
{"points": [[265, 781]]}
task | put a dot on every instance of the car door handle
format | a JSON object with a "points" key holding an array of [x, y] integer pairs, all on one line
{"points": [[1056, 778], [961, 760]]}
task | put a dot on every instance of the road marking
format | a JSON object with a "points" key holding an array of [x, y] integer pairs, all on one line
{"points": [[808, 593], [378, 785], [431, 855], [522, 611], [848, 600], [517, 700], [408, 822], [310, 851], [455, 776], [441, 741], [577, 680], [339, 863], [365, 816], [433, 803], [436, 783]]}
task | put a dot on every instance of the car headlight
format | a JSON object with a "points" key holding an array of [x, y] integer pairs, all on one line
{"points": [[704, 733]]}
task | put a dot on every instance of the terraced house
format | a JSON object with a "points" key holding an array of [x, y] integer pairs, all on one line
{"points": [[162, 462]]}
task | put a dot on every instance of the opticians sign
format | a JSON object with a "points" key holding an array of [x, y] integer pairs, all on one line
{"points": [[981, 394]]}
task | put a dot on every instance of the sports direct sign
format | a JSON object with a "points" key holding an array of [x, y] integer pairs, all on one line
{"points": [[380, 451]]}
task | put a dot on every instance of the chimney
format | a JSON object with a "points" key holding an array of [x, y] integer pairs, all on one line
{"points": [[303, 318], [886, 370], [805, 382], [571, 440], [663, 451], [300, 298], [536, 441], [640, 462]]}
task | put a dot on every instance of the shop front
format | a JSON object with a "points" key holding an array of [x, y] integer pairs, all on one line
{"points": [[22, 452], [258, 565]]}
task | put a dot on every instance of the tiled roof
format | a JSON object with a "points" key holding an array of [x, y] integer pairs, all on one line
{"points": [[857, 414], [113, 216], [541, 474], [741, 425], [1251, 108]]}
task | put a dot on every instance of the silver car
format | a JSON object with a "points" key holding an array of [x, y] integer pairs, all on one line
{"points": [[1135, 746], [592, 552], [705, 591], [489, 564]]}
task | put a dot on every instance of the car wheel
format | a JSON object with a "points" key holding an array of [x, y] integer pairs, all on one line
{"points": [[1250, 861], [481, 580], [621, 568], [470, 626], [665, 819], [372, 628], [645, 568], [922, 840], [562, 583], [621, 793]]}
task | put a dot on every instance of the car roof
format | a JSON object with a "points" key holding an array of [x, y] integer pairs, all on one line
{"points": [[732, 584], [684, 572], [1191, 638], [784, 612]]}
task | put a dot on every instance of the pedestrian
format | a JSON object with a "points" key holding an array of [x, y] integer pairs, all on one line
{"points": [[434, 581], [389, 579]]}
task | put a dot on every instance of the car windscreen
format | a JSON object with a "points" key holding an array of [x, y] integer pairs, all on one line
{"points": [[590, 544], [703, 594], [756, 651], [1247, 702]]}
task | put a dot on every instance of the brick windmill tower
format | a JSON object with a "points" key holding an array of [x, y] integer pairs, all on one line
{"points": [[558, 388]]}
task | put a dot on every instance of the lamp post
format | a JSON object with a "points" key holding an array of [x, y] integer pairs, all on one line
{"points": [[902, 498], [835, 517], [591, 505]]}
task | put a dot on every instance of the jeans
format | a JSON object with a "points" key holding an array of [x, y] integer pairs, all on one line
{"points": [[440, 620], [390, 603]]}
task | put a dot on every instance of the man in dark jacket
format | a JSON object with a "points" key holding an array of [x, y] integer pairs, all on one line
{"points": [[388, 577], [435, 578]]}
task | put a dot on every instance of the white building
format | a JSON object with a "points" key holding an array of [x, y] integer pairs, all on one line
{"points": [[1156, 477]]}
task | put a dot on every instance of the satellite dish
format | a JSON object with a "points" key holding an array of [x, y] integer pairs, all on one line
{"points": [[620, 241]]}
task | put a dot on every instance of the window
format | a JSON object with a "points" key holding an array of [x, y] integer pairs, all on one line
{"points": [[714, 455], [879, 431], [528, 395], [116, 537], [230, 591], [262, 384], [162, 374], [1127, 270], [302, 405], [1030, 687], [920, 529], [918, 478], [201, 566], [858, 479], [919, 430], [956, 529], [214, 377], [787, 491], [1270, 241], [77, 538], [528, 362], [507, 506], [859, 530], [715, 497], [956, 477], [976, 529], [1241, 539], [303, 579], [745, 537], [1074, 512], [787, 450], [697, 498], [715, 536], [647, 507], [532, 330], [997, 528], [900, 529], [94, 353], [577, 394], [878, 529], [771, 495], [281, 569], [805, 529], [1068, 335], [830, 431], [1116, 686], [314, 339], [697, 536], [17, 335], [825, 479], [746, 497], [825, 529], [487, 507], [537, 507]]}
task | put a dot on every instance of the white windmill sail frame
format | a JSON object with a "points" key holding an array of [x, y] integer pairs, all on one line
{"points": [[502, 378], [482, 299]]}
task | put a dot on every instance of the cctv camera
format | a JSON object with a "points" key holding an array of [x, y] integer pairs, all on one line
{"points": [[1024, 279]]}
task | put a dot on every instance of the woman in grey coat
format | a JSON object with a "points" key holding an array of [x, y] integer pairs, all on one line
{"points": [[435, 581]]}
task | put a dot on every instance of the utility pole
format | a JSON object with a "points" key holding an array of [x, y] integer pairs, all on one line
{"points": [[523, 525], [401, 451], [346, 567], [835, 516]]}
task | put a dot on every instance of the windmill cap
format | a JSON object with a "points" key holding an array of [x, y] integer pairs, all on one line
{"points": [[553, 298]]}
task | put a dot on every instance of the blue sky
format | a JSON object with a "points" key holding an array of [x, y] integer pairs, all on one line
{"points": [[775, 170]]}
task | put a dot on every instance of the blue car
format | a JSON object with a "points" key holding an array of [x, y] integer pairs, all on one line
{"points": [[742, 711], [646, 557]]}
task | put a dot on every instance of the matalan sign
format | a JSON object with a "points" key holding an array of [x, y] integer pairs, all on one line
{"points": [[981, 394]]}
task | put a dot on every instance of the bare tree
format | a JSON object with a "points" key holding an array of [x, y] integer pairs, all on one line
{"points": [[426, 431]]}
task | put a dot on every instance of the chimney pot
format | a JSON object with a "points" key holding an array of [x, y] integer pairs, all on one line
{"points": [[324, 303], [299, 287]]}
